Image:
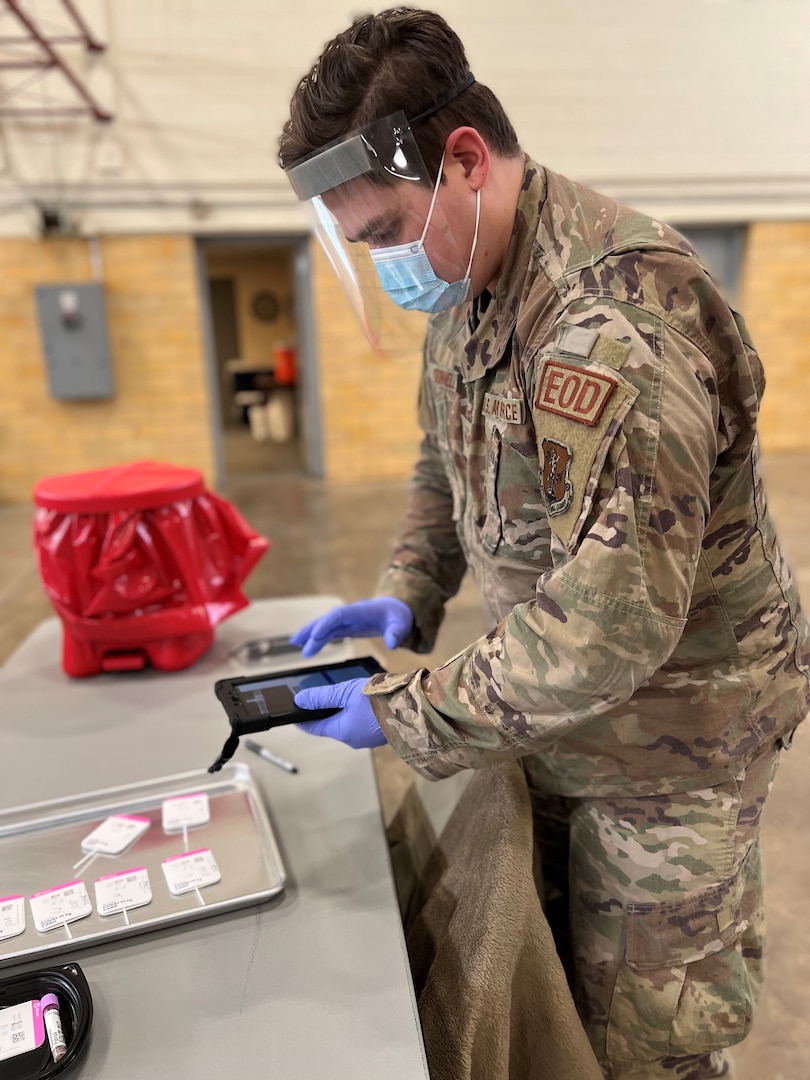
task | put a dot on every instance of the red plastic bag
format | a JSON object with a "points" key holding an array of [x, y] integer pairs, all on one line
{"points": [[141, 563]]}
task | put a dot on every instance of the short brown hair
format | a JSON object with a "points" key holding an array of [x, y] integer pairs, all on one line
{"points": [[402, 59]]}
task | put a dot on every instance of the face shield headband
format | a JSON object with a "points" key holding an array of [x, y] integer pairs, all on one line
{"points": [[367, 194]]}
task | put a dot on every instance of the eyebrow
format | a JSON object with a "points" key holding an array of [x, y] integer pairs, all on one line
{"points": [[377, 224]]}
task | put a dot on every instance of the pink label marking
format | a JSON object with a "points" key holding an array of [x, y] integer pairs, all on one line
{"points": [[122, 873], [39, 1023], [187, 854], [56, 888]]}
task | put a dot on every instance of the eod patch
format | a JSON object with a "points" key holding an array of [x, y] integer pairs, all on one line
{"points": [[579, 394]]}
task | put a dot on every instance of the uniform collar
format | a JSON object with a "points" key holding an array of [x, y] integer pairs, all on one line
{"points": [[492, 318]]}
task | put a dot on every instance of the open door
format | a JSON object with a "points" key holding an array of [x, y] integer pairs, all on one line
{"points": [[255, 294]]}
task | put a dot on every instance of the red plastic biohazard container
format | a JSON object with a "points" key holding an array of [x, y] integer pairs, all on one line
{"points": [[141, 562]]}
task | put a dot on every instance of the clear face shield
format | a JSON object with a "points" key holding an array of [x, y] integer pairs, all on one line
{"points": [[379, 217]]}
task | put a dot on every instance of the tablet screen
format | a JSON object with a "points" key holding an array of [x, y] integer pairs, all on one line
{"points": [[272, 697]]}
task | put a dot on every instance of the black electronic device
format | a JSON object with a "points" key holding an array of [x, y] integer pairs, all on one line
{"points": [[266, 648], [260, 702]]}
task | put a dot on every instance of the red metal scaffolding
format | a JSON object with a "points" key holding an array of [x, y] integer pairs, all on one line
{"points": [[46, 59]]}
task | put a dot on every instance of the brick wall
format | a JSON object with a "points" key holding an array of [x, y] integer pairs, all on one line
{"points": [[775, 300], [160, 409], [368, 403]]}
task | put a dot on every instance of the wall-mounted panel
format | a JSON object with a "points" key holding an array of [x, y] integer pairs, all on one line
{"points": [[75, 343]]}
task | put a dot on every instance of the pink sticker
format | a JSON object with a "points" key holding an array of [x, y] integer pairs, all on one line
{"points": [[185, 854], [122, 873], [39, 1023], [56, 888]]}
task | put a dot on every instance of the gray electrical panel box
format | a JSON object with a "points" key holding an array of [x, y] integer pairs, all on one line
{"points": [[73, 328]]}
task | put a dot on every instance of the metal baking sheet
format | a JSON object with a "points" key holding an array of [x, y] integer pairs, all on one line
{"points": [[40, 843]]}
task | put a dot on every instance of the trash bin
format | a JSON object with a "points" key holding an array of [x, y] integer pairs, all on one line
{"points": [[141, 562]]}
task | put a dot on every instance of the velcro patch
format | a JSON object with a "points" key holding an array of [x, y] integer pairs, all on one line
{"points": [[450, 380], [578, 340], [611, 352], [576, 393], [509, 409]]}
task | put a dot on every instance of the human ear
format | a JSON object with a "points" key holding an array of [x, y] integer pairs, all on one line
{"points": [[467, 152]]}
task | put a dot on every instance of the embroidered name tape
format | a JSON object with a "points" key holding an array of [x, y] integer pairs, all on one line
{"points": [[503, 408], [574, 392]]}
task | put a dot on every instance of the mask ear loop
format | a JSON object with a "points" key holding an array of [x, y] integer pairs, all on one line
{"points": [[432, 201], [475, 234], [477, 217]]}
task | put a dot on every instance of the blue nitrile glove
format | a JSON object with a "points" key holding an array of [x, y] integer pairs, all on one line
{"points": [[384, 615], [355, 724]]}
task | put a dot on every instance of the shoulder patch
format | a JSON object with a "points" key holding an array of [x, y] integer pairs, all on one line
{"points": [[578, 411], [578, 340], [580, 394], [558, 490]]}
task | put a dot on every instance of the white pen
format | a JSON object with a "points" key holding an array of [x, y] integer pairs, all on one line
{"points": [[263, 752]]}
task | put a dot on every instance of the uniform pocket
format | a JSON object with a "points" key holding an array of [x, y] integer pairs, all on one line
{"points": [[692, 971]]}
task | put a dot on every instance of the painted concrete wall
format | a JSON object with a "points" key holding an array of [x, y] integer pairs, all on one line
{"points": [[687, 111]]}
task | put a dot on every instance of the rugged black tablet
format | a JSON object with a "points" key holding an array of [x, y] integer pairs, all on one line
{"points": [[259, 702]]}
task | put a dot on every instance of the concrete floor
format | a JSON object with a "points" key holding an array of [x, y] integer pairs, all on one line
{"points": [[335, 539]]}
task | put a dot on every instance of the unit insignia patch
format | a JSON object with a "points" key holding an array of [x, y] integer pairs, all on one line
{"points": [[557, 487]]}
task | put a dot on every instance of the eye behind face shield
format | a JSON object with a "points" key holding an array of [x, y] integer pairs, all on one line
{"points": [[372, 190]]}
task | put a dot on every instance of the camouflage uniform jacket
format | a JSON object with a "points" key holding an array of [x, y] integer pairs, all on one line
{"points": [[590, 454]]}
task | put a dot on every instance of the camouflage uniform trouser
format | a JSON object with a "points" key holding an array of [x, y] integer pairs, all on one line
{"points": [[663, 933]]}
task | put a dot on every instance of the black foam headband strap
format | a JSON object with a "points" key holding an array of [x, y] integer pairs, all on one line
{"points": [[440, 103]]}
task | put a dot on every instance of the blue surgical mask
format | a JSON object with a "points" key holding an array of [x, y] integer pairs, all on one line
{"points": [[406, 275]]}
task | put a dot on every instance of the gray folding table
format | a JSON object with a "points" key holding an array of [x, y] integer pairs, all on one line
{"points": [[312, 985]]}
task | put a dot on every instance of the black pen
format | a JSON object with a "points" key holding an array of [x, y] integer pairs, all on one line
{"points": [[263, 752]]}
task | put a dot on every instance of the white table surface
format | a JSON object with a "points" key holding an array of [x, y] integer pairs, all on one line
{"points": [[313, 985]]}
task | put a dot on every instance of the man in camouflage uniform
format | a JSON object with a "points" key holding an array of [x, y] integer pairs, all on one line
{"points": [[590, 455]]}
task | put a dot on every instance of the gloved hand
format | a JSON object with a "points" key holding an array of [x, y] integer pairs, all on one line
{"points": [[355, 724], [384, 615]]}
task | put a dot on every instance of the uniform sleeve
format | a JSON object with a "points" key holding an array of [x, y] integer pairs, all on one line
{"points": [[627, 533], [428, 563]]}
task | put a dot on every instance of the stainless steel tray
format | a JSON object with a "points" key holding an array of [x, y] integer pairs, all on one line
{"points": [[40, 843]]}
